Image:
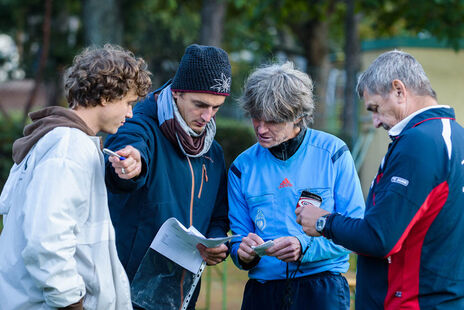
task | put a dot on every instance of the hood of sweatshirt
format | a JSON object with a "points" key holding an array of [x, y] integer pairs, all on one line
{"points": [[44, 121]]}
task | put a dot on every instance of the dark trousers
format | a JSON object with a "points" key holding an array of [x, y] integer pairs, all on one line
{"points": [[322, 291]]}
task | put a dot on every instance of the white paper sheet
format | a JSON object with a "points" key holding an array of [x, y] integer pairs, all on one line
{"points": [[178, 244]]}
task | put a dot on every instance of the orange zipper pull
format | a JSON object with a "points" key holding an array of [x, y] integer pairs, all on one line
{"points": [[203, 176]]}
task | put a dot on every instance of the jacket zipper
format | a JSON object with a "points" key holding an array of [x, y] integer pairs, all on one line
{"points": [[192, 193], [203, 176]]}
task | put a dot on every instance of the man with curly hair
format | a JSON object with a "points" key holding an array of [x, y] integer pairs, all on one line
{"points": [[57, 248], [173, 168]]}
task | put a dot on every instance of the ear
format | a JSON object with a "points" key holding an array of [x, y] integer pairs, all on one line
{"points": [[399, 89], [174, 94]]}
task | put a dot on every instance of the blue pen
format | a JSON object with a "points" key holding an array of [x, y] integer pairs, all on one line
{"points": [[111, 153]]}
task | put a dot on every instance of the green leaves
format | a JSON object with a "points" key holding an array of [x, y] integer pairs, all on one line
{"points": [[442, 19]]}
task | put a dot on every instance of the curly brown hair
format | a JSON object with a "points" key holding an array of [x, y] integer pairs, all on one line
{"points": [[106, 73]]}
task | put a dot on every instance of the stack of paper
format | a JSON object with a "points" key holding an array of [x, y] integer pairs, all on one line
{"points": [[179, 244]]}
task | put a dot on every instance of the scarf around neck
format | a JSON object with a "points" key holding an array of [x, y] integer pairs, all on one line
{"points": [[178, 132]]}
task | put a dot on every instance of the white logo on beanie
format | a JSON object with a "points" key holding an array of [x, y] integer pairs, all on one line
{"points": [[222, 85]]}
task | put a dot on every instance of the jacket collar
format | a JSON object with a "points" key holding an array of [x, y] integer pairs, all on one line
{"points": [[286, 149], [420, 116]]}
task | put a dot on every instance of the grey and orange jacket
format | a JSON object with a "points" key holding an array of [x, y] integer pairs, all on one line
{"points": [[193, 190], [410, 240]]}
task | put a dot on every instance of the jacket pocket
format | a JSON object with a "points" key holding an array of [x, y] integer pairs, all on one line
{"points": [[325, 193]]}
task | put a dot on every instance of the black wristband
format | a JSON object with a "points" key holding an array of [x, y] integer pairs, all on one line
{"points": [[248, 266]]}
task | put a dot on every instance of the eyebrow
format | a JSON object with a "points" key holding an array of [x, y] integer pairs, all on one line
{"points": [[204, 104]]}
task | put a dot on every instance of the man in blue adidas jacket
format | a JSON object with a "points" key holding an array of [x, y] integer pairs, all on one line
{"points": [[410, 240], [265, 185]]}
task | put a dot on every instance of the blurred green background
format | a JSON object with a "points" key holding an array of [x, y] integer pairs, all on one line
{"points": [[332, 40], [39, 38]]}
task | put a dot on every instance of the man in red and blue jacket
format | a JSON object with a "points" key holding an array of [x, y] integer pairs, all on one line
{"points": [[410, 240]]}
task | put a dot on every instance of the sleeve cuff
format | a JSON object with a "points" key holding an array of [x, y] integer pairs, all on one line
{"points": [[305, 243], [327, 231], [250, 265], [75, 306]]}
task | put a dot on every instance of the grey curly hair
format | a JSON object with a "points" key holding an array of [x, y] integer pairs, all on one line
{"points": [[106, 73], [279, 93]]}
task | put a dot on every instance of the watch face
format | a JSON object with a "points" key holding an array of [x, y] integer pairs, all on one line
{"points": [[320, 223]]}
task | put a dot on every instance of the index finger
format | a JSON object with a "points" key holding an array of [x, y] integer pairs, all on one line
{"points": [[254, 237], [113, 159], [126, 151]]}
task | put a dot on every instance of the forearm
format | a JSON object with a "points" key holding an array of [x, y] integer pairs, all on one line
{"points": [[356, 235], [117, 185], [51, 223], [54, 270]]}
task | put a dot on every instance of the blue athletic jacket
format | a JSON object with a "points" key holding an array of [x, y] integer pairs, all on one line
{"points": [[263, 195], [193, 190], [410, 240]]}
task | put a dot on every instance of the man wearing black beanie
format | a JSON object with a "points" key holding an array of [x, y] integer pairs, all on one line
{"points": [[173, 167]]}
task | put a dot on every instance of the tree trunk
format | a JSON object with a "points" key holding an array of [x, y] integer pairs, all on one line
{"points": [[313, 36], [54, 88], [102, 22], [212, 22], [42, 61], [352, 66]]}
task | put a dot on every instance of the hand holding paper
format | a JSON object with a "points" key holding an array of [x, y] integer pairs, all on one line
{"points": [[261, 249], [212, 256], [179, 244]]}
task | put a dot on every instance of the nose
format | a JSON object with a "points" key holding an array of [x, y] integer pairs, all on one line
{"points": [[129, 112], [376, 121], [261, 127], [207, 114]]}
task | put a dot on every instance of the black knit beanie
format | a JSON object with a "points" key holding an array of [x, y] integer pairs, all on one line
{"points": [[203, 69]]}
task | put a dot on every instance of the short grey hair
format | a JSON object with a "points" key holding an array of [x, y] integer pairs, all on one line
{"points": [[279, 93], [378, 78]]}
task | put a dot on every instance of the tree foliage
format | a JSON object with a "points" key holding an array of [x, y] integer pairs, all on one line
{"points": [[255, 31], [441, 19], [23, 19]]}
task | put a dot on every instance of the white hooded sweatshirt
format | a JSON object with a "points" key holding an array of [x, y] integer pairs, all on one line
{"points": [[58, 242]]}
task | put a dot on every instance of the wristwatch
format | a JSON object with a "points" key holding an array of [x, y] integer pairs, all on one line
{"points": [[320, 223]]}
